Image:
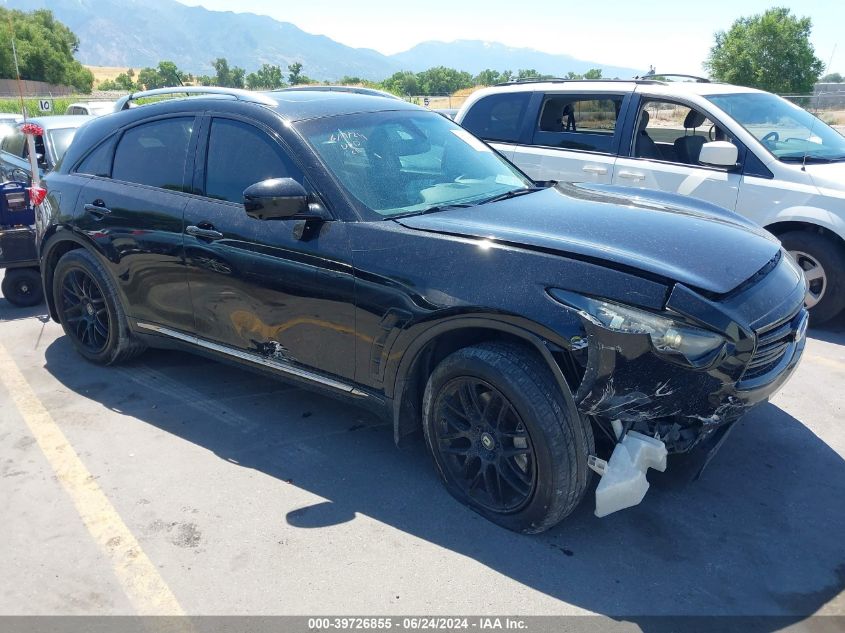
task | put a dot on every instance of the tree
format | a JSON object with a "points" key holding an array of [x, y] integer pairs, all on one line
{"points": [[165, 75], [45, 49], [441, 80], [124, 81], [770, 51], [593, 73], [488, 77], [268, 77], [402, 83], [832, 78], [224, 75]]}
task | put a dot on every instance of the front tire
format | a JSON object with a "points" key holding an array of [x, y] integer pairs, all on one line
{"points": [[90, 311], [823, 263], [505, 440], [22, 287]]}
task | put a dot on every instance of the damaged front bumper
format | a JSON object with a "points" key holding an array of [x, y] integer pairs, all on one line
{"points": [[633, 388]]}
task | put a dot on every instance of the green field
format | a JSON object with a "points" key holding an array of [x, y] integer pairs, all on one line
{"points": [[60, 104]]}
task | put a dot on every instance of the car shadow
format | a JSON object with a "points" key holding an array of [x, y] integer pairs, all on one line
{"points": [[832, 332], [759, 534], [11, 312]]}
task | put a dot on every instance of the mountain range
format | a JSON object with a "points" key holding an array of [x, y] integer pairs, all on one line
{"points": [[138, 33]]}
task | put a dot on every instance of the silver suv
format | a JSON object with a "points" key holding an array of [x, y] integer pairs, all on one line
{"points": [[740, 148]]}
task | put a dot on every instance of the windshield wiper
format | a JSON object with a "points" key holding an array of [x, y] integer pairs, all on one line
{"points": [[434, 209], [513, 193], [811, 159]]}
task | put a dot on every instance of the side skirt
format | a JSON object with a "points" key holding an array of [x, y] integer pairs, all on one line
{"points": [[310, 378]]}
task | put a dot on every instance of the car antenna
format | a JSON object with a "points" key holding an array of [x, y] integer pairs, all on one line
{"points": [[17, 69], [29, 130]]}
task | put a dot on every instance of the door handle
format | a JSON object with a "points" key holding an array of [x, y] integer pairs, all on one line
{"points": [[594, 169], [206, 234], [631, 175], [97, 208]]}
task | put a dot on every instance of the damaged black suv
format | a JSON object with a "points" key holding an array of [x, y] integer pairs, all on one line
{"points": [[375, 251]]}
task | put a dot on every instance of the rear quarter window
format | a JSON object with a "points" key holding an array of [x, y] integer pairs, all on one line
{"points": [[498, 117]]}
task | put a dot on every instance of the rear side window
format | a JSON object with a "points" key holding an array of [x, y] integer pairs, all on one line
{"points": [[498, 117], [14, 143], [154, 153], [586, 122], [98, 162], [240, 155]]}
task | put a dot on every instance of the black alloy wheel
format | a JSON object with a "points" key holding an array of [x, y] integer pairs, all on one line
{"points": [[484, 444], [84, 311], [88, 305], [506, 436]]}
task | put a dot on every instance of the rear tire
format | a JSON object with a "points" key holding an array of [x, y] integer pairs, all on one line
{"points": [[823, 262], [89, 310], [505, 440], [22, 287]]}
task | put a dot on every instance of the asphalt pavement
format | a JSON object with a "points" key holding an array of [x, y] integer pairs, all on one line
{"points": [[174, 484]]}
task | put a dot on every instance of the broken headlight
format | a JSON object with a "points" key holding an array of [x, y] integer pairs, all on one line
{"points": [[667, 335]]}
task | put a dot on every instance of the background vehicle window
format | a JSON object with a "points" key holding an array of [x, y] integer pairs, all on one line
{"points": [[98, 162], [154, 153], [240, 155], [594, 116], [40, 152], [14, 143], [787, 131], [673, 132], [585, 122], [498, 117]]}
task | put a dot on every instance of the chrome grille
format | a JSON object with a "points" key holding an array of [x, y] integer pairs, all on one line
{"points": [[772, 343]]}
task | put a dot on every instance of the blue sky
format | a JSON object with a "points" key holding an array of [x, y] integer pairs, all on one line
{"points": [[670, 34]]}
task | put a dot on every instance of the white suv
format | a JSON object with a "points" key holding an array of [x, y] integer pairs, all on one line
{"points": [[742, 149]]}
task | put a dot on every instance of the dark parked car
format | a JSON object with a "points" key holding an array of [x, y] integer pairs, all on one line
{"points": [[49, 146], [378, 252]]}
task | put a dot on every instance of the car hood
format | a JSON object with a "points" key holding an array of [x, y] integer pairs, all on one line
{"points": [[827, 175], [680, 239]]}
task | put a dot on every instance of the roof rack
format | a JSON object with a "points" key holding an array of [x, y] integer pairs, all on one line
{"points": [[658, 76], [561, 80], [234, 93]]}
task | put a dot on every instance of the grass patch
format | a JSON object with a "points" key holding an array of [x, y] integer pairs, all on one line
{"points": [[60, 104]]}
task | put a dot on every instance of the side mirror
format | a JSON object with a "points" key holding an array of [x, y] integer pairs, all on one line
{"points": [[718, 154], [275, 199]]}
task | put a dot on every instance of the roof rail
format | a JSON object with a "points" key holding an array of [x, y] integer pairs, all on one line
{"points": [[659, 76], [234, 93], [560, 80]]}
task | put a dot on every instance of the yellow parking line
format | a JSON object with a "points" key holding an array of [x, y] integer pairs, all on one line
{"points": [[139, 578], [824, 360]]}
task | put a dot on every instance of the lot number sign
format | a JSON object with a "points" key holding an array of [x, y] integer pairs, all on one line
{"points": [[45, 105]]}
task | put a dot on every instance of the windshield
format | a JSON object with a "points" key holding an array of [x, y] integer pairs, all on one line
{"points": [[60, 140], [399, 163], [787, 131]]}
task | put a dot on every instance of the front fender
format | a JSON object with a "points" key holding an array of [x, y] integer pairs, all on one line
{"points": [[401, 371], [812, 215]]}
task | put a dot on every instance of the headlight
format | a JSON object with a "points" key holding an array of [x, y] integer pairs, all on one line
{"points": [[667, 335]]}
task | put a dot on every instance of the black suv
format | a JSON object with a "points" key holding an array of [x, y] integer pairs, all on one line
{"points": [[379, 252]]}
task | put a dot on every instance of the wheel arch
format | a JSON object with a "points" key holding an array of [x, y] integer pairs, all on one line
{"points": [[439, 340], [782, 227], [52, 250]]}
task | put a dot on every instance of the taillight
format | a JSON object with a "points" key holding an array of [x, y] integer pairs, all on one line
{"points": [[37, 193]]}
